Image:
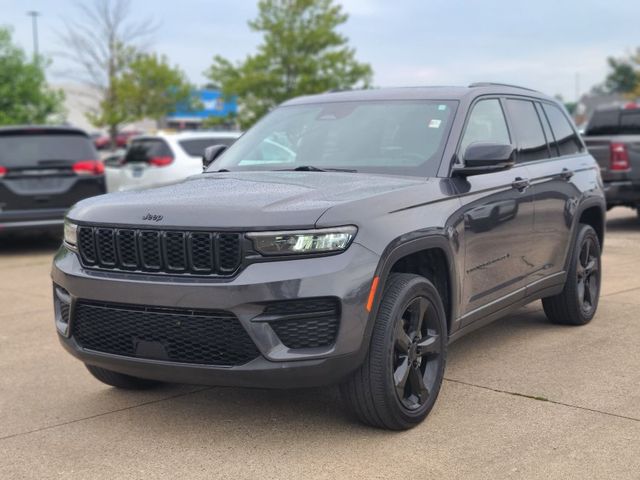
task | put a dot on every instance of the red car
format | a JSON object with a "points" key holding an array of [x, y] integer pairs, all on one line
{"points": [[103, 141]]}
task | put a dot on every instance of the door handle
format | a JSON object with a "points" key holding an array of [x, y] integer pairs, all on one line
{"points": [[521, 184], [566, 174]]}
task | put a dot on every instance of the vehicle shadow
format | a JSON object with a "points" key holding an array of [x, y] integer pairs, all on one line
{"points": [[623, 220], [29, 244], [229, 409]]}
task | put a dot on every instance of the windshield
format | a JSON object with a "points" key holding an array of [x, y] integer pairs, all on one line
{"points": [[393, 137]]}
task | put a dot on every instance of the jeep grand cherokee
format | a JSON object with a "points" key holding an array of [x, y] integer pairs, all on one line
{"points": [[347, 238]]}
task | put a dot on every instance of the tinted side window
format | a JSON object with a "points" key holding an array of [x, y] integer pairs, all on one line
{"points": [[528, 131], [547, 131], [566, 138], [486, 125]]}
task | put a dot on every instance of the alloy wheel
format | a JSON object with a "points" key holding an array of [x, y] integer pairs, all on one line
{"points": [[417, 351], [587, 271]]}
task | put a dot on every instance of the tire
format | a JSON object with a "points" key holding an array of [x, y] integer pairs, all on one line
{"points": [[410, 307], [578, 301], [120, 380]]}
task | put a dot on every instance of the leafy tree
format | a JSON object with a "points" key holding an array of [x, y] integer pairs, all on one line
{"points": [[151, 88], [623, 77], [302, 53], [101, 43], [24, 94]]}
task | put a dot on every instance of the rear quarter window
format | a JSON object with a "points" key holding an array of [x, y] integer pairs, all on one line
{"points": [[195, 147]]}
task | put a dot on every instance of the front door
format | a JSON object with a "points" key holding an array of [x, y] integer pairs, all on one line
{"points": [[498, 220]]}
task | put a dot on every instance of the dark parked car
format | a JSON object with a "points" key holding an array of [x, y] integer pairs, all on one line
{"points": [[355, 259], [43, 171], [613, 138]]}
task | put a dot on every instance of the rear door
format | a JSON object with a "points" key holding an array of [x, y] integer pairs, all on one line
{"points": [[44, 168], [498, 220], [556, 197]]}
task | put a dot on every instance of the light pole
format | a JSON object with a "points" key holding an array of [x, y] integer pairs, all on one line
{"points": [[34, 25]]}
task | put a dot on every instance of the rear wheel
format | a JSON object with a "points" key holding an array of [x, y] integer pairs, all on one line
{"points": [[398, 383], [578, 301], [120, 380]]}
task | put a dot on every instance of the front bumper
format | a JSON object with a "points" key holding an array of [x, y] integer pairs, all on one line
{"points": [[346, 276]]}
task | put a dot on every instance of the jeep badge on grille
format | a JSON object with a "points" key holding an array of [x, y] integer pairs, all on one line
{"points": [[152, 217]]}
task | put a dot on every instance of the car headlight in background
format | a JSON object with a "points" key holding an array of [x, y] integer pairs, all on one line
{"points": [[70, 233], [324, 240]]}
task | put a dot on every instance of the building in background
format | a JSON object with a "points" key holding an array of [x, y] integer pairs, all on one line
{"points": [[212, 111]]}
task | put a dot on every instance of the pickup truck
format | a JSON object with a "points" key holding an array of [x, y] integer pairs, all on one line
{"points": [[613, 139]]}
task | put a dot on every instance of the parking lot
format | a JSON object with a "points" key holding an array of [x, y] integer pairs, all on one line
{"points": [[522, 399]]}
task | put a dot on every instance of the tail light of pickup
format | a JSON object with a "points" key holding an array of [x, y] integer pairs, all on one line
{"points": [[619, 157]]}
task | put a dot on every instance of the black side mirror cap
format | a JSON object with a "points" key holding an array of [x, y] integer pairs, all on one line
{"points": [[482, 158], [211, 153]]}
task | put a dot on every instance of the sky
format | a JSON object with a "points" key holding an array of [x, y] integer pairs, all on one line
{"points": [[556, 46]]}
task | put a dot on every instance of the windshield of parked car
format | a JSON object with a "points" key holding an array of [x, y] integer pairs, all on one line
{"points": [[392, 137]]}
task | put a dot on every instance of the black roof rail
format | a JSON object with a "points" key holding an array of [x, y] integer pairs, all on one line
{"points": [[497, 84]]}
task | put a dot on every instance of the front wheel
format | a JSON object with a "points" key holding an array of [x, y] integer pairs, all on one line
{"points": [[578, 301], [399, 381]]}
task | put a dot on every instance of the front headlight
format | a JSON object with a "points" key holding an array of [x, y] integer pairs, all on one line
{"points": [[70, 233], [325, 240]]}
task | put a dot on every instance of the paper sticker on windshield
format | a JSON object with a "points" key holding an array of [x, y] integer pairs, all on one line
{"points": [[442, 107], [435, 123]]}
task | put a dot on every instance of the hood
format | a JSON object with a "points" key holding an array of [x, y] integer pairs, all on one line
{"points": [[243, 200]]}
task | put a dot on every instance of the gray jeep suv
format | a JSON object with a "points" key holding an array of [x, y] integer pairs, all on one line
{"points": [[347, 238]]}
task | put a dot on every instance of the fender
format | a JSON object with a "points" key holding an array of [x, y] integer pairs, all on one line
{"points": [[588, 202], [405, 245]]}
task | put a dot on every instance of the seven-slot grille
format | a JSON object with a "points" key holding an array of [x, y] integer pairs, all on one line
{"points": [[162, 251]]}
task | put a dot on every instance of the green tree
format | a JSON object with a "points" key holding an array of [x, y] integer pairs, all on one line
{"points": [[624, 75], [302, 53], [151, 88], [24, 94]]}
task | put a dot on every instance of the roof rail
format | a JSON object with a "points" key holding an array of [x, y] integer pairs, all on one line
{"points": [[497, 84]]}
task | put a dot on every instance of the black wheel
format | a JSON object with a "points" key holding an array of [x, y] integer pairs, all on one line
{"points": [[399, 381], [119, 380], [578, 301]]}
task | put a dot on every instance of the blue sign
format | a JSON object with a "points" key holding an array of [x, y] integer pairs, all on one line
{"points": [[213, 105]]}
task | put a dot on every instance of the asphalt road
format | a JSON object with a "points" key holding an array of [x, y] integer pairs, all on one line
{"points": [[522, 399]]}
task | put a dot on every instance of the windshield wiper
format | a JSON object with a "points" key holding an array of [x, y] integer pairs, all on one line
{"points": [[311, 168]]}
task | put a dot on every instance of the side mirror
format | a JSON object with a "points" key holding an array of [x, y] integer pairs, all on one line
{"points": [[211, 153], [486, 158]]}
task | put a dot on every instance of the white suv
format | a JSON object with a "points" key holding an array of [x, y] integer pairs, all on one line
{"points": [[163, 158]]}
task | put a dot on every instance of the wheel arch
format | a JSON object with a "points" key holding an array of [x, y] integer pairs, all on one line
{"points": [[430, 256]]}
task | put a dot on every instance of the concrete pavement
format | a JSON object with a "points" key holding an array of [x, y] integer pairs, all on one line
{"points": [[522, 399]]}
